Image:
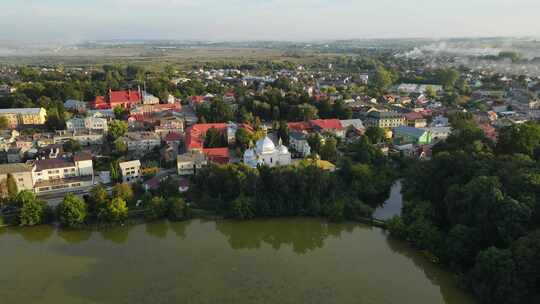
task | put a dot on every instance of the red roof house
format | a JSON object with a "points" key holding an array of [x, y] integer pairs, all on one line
{"points": [[195, 134], [125, 99], [218, 155]]}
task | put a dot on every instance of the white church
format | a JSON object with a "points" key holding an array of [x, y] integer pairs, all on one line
{"points": [[266, 153]]}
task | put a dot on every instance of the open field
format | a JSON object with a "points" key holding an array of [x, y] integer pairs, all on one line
{"points": [[159, 57]]}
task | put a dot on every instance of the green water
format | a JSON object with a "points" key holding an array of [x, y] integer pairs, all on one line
{"points": [[265, 261]]}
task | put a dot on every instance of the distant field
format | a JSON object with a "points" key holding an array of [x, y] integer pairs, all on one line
{"points": [[157, 57]]}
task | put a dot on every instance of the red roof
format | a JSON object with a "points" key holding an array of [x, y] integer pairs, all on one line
{"points": [[327, 124], [195, 134], [299, 126], [413, 116], [173, 136], [218, 155], [126, 99]]}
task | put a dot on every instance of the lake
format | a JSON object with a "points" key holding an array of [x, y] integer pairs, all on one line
{"points": [[292, 260]]}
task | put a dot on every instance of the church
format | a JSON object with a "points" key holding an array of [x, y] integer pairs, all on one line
{"points": [[266, 153]]}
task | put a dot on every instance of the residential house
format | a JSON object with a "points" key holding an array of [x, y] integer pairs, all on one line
{"points": [[169, 124], [149, 99], [384, 119], [75, 105], [189, 163], [87, 124], [415, 120], [22, 174], [19, 117], [66, 173], [439, 133], [299, 144], [141, 142], [130, 170], [328, 126], [125, 99], [409, 135], [85, 138], [355, 126]]}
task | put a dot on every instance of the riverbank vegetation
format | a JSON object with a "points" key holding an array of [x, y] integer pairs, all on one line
{"points": [[361, 183], [476, 207]]}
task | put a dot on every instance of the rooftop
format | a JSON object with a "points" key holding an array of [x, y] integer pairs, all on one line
{"points": [[14, 168]]}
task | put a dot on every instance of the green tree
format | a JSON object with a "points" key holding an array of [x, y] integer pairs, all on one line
{"points": [[315, 142], [214, 139], [283, 132], [448, 77], [382, 80], [124, 191], [242, 208], [72, 211], [4, 123], [72, 146], [493, 279], [11, 186], [329, 150], [120, 113], [117, 128], [375, 134], [155, 208], [97, 198], [307, 112], [243, 139], [177, 209], [115, 210], [32, 210]]}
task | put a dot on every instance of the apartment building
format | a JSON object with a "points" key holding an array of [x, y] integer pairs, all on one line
{"points": [[24, 116]]}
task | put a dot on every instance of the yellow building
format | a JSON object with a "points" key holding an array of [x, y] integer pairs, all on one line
{"points": [[24, 116]]}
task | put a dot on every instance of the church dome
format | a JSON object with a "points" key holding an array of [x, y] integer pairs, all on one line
{"points": [[249, 154], [265, 145], [283, 150]]}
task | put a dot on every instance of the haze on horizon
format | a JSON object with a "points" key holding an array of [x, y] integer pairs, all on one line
{"points": [[69, 20]]}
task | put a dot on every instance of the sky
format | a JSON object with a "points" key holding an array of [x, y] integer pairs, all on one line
{"points": [[290, 20]]}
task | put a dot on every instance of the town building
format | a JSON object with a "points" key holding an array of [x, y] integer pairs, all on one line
{"points": [[75, 105], [87, 124], [65, 173], [266, 153], [328, 126], [409, 135], [130, 170], [299, 144], [169, 124], [84, 137], [141, 142], [384, 119], [22, 174], [125, 99], [189, 163], [19, 117]]}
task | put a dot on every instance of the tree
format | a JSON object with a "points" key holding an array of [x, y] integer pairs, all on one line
{"points": [[117, 128], [314, 141], [32, 210], [307, 112], [283, 132], [382, 80], [242, 208], [120, 147], [328, 151], [97, 198], [72, 211], [243, 139], [155, 208], [375, 134], [72, 146], [123, 191], [11, 184], [448, 77], [55, 120], [493, 279], [177, 209], [114, 171], [214, 139], [430, 92], [116, 210], [120, 113], [4, 123], [523, 138]]}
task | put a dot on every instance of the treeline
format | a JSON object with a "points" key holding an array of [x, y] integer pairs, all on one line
{"points": [[476, 207], [352, 192], [99, 207]]}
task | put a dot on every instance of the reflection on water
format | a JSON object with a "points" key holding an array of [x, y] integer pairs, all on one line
{"points": [[264, 261], [302, 238], [393, 204]]}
